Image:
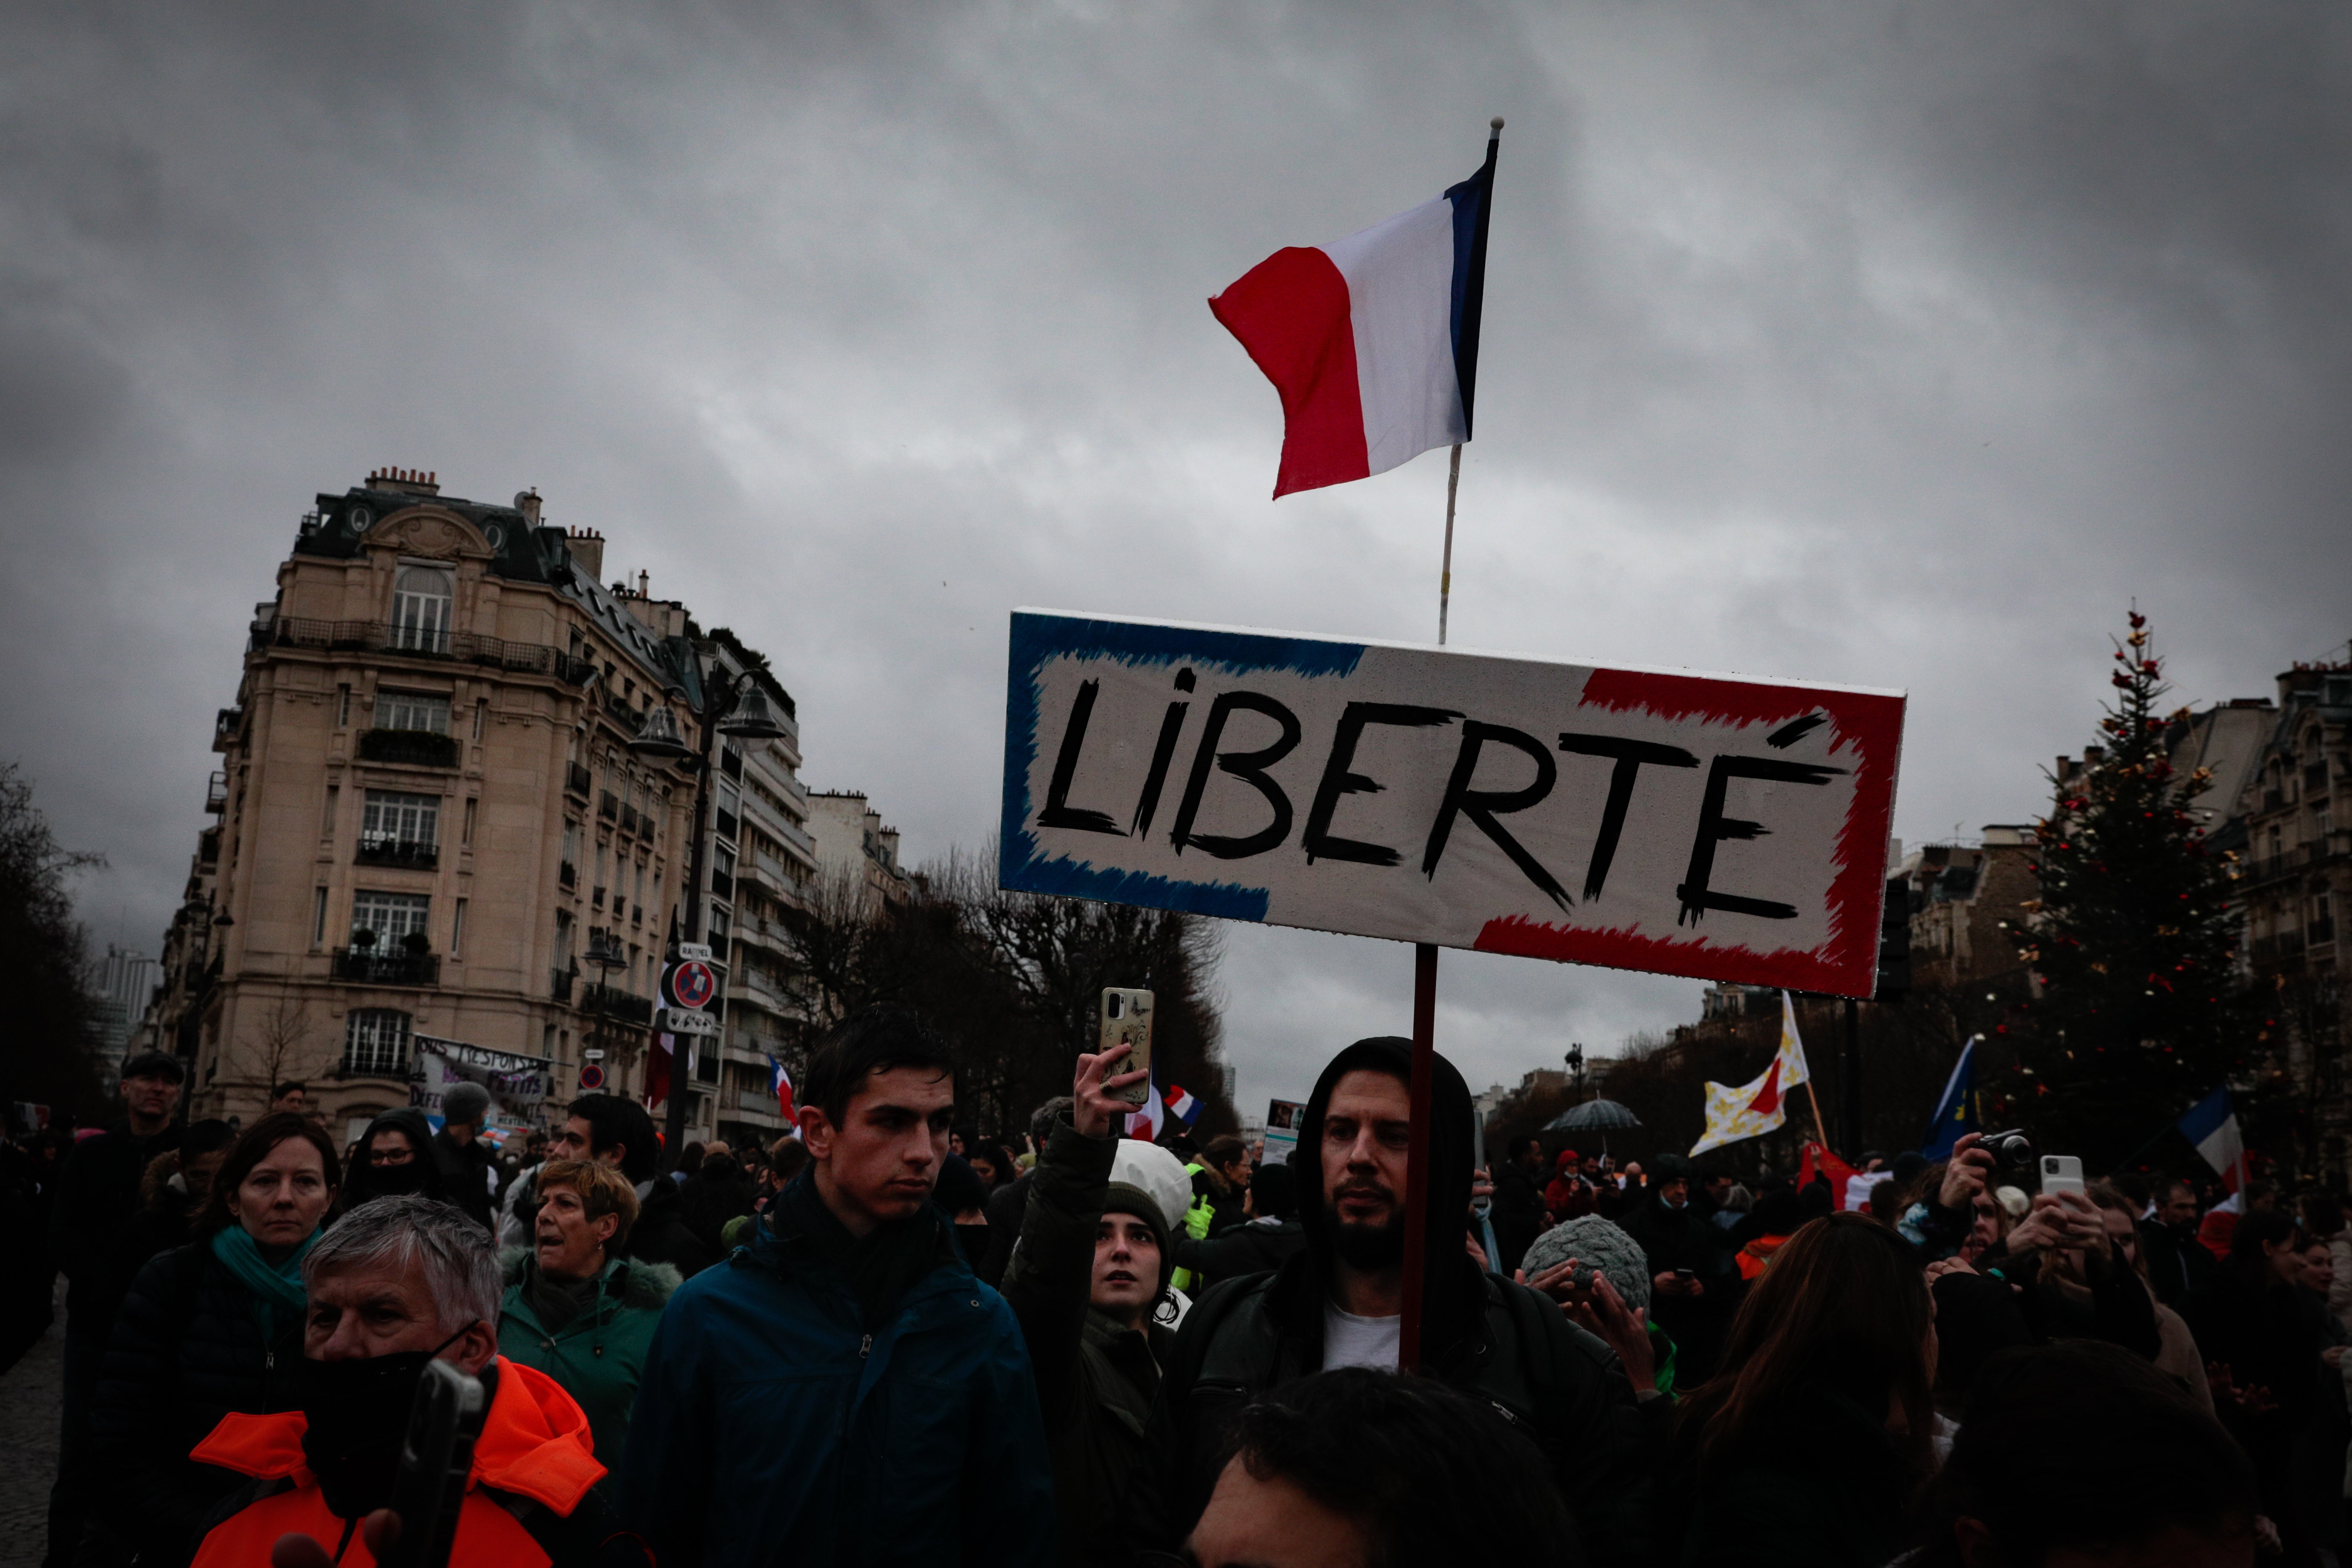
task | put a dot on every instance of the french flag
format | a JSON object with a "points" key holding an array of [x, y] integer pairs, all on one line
{"points": [[780, 1082], [2212, 1126], [1372, 342], [1181, 1105]]}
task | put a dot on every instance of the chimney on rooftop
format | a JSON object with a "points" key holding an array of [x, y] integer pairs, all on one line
{"points": [[645, 585], [587, 553], [410, 481], [527, 504]]}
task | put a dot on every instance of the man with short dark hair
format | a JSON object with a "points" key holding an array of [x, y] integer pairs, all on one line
{"points": [[618, 1133], [1358, 1470], [289, 1096], [1518, 1211], [1010, 1201], [1340, 1301], [843, 1389], [98, 1194], [1690, 1268], [2177, 1266]]}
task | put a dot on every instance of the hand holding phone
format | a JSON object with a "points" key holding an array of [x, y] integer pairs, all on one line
{"points": [[1126, 1021], [435, 1458]]}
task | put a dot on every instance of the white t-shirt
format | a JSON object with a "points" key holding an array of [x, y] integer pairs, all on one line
{"points": [[1352, 1341]]}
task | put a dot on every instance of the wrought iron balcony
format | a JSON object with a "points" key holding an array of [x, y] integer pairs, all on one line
{"points": [[414, 748], [614, 1004], [227, 725], [217, 794], [608, 807], [568, 873], [366, 966], [457, 648], [576, 779], [393, 852], [558, 983], [630, 821]]}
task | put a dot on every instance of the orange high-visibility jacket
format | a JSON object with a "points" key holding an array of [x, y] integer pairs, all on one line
{"points": [[533, 1458]]}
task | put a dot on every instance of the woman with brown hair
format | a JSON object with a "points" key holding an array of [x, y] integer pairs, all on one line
{"points": [[210, 1328], [1811, 1441]]}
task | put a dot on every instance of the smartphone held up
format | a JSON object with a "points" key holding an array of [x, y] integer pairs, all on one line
{"points": [[1126, 1021]]}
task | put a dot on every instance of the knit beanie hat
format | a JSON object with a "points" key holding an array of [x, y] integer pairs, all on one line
{"points": [[1148, 1182], [1599, 1245], [466, 1103]]}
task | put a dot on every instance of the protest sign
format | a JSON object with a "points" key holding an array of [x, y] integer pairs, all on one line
{"points": [[518, 1086], [1282, 1119], [1710, 825]]}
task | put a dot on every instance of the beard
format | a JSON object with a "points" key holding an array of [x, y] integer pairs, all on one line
{"points": [[1367, 1246]]}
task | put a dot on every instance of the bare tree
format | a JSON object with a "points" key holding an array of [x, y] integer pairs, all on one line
{"points": [[282, 1048]]}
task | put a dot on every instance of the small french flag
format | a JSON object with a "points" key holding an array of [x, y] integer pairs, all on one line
{"points": [[2211, 1125], [1181, 1105], [1372, 343], [780, 1082]]}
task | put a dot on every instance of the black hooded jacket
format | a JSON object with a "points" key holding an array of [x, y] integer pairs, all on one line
{"points": [[364, 1182], [1507, 1345]]}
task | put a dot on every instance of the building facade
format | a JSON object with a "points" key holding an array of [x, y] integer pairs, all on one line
{"points": [[434, 839]]}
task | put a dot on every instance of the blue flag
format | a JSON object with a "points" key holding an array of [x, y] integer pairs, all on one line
{"points": [[1956, 1112]]}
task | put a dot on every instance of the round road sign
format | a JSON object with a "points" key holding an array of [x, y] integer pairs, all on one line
{"points": [[591, 1077], [693, 984]]}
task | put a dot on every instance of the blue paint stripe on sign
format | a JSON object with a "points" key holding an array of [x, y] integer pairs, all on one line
{"points": [[1039, 638]]}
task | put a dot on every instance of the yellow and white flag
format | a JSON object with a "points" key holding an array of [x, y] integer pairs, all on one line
{"points": [[1751, 1109]]}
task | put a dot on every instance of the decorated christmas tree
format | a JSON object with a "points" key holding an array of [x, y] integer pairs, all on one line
{"points": [[2141, 1011]]}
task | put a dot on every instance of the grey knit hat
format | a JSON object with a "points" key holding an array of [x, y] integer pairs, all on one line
{"points": [[466, 1103], [1596, 1244]]}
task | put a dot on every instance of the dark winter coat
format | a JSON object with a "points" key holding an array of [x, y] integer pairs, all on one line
{"points": [[1254, 1247], [715, 1194], [1095, 1376], [1822, 1484], [2179, 1266], [662, 1234], [98, 1191], [599, 1355], [1508, 1346], [771, 1426], [186, 1349], [1683, 1239], [1005, 1207], [1517, 1214], [465, 1175]]}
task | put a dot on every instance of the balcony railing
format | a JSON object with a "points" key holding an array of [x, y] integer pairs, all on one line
{"points": [[608, 807], [567, 874], [2322, 930], [208, 847], [216, 793], [612, 1003], [2315, 777], [365, 966], [597, 900], [576, 780], [375, 1061], [227, 724], [457, 648], [393, 852], [414, 748], [558, 983], [630, 821], [2288, 862]]}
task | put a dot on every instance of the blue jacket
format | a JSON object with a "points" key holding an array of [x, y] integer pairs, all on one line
{"points": [[770, 1428]]}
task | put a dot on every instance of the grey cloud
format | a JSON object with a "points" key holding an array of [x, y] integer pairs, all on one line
{"points": [[1893, 343]]}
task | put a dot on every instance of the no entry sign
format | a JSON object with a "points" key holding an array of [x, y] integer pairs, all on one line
{"points": [[1709, 825]]}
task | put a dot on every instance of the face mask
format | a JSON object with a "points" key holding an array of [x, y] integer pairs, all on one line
{"points": [[358, 1416], [394, 1181]]}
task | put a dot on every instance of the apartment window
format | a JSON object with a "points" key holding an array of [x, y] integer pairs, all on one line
{"points": [[343, 706], [421, 601], [722, 860], [318, 917], [481, 716], [468, 837], [458, 931], [572, 841], [326, 819], [718, 929], [412, 711], [394, 817], [375, 1042], [563, 931], [393, 917]]}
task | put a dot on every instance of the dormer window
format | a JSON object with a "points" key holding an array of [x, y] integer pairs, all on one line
{"points": [[421, 598]]}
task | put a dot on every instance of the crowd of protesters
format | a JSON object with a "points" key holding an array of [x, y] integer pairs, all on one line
{"points": [[889, 1338]]}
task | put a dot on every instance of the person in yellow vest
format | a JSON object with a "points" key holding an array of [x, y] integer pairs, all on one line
{"points": [[1220, 1174]]}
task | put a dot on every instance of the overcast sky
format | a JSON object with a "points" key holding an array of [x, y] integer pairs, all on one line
{"points": [[1903, 345]]}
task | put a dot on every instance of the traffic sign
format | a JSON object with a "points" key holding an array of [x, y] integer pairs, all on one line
{"points": [[700, 949], [593, 1054], [591, 1077], [684, 1021], [688, 984]]}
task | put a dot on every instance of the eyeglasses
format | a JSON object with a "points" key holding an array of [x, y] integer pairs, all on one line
{"points": [[400, 1155]]}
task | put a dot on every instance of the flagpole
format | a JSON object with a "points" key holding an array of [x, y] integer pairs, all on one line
{"points": [[1424, 953]]}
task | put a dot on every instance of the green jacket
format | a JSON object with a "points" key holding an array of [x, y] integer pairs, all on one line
{"points": [[1095, 1377], [598, 1356]]}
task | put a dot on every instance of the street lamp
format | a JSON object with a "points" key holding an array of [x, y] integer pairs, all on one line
{"points": [[733, 706], [1575, 1068], [603, 956]]}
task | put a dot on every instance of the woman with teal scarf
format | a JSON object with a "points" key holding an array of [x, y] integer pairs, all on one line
{"points": [[207, 1329]]}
